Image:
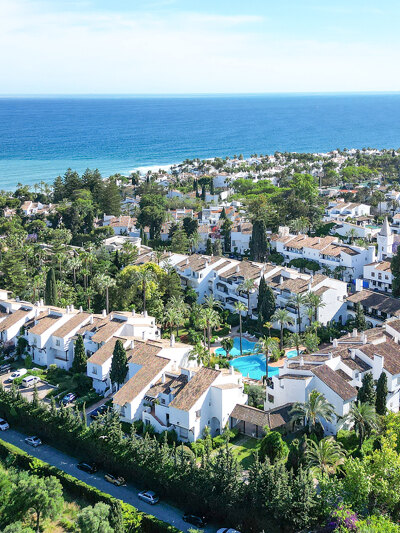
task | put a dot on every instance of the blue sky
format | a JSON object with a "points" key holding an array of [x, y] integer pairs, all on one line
{"points": [[203, 46]]}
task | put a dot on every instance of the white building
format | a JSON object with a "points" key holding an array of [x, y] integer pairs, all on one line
{"points": [[377, 307], [340, 210], [379, 276]]}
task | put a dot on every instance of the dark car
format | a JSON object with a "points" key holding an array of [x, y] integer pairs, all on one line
{"points": [[99, 411], [68, 398], [198, 521], [5, 368], [90, 468]]}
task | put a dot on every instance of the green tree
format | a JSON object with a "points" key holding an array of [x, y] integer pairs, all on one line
{"points": [[313, 411], [111, 202], [227, 344], [247, 286], [363, 419], [267, 345], [273, 447], [80, 359], [103, 283], [239, 309], [51, 297], [180, 241], [266, 303], [217, 248], [95, 519], [297, 301], [359, 319], [226, 229], [143, 276], [284, 319], [119, 364], [18, 527], [395, 268], [209, 249], [212, 320], [326, 456], [366, 393], [381, 394]]}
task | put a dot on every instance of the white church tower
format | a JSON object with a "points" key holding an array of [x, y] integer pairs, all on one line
{"points": [[385, 242]]}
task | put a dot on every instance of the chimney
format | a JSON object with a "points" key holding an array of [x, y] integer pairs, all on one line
{"points": [[363, 338], [216, 367], [330, 355], [133, 312], [36, 313], [91, 319], [280, 280], [67, 310], [80, 309], [48, 310], [163, 378], [41, 303], [354, 333], [172, 340], [335, 343], [301, 361], [187, 260], [231, 370], [104, 313], [237, 268], [71, 307], [352, 353], [143, 336]]}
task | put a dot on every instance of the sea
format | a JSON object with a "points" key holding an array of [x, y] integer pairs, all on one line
{"points": [[40, 137]]}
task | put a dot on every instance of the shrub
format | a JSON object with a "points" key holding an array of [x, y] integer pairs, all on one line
{"points": [[273, 447], [197, 448], [218, 441], [28, 361]]}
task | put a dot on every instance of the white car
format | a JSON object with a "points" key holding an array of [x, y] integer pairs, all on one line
{"points": [[228, 530], [149, 496], [33, 441], [4, 425], [18, 374]]}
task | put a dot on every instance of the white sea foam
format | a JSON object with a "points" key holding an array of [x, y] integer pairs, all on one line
{"points": [[152, 168]]}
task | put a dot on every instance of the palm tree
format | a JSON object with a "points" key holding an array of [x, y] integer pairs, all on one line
{"points": [[199, 354], [297, 301], [239, 309], [211, 302], [169, 318], [295, 339], [314, 301], [75, 263], [300, 225], [363, 418], [247, 286], [211, 319], [194, 240], [313, 411], [326, 456], [268, 325], [103, 283], [282, 316], [157, 256], [181, 311], [267, 345], [351, 235], [227, 344], [143, 276]]}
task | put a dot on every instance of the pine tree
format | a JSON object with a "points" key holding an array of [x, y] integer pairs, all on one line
{"points": [[58, 189], [359, 320], [111, 203], [381, 394], [209, 247], [366, 393], [80, 358], [119, 364], [223, 214], [180, 241], [50, 294]]}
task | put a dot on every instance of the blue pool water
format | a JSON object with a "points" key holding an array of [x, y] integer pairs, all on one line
{"points": [[253, 365]]}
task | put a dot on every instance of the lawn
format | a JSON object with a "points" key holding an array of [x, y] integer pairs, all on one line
{"points": [[243, 448]]}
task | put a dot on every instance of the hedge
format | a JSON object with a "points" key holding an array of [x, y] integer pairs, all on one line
{"points": [[79, 489]]}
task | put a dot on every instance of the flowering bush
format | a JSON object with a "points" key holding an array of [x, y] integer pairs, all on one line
{"points": [[343, 520]]}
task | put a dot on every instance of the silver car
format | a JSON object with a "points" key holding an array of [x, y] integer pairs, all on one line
{"points": [[33, 441], [149, 496], [4, 425]]}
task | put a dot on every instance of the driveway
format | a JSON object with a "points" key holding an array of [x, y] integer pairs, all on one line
{"points": [[128, 494], [42, 387]]}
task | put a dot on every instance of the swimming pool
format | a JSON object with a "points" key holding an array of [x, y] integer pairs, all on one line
{"points": [[253, 366], [247, 347]]}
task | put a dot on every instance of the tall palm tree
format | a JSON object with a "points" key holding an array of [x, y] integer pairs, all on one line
{"points": [[326, 456], [181, 311], [239, 309], [74, 264], [295, 339], [143, 276], [157, 256], [363, 418], [284, 319], [267, 345], [212, 320], [211, 302], [313, 411], [194, 240], [247, 286], [297, 301], [199, 354], [103, 283], [169, 318], [314, 301]]}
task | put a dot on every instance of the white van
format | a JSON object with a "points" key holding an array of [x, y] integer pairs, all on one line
{"points": [[29, 381]]}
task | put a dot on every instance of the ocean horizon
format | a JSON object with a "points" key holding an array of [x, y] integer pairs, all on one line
{"points": [[42, 136]]}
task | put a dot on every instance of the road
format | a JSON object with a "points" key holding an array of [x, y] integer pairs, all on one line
{"points": [[128, 494]]}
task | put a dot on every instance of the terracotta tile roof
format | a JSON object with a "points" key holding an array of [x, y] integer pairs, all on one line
{"points": [[294, 376], [74, 322], [244, 269], [43, 323], [151, 366], [106, 330], [343, 374], [273, 418], [172, 381], [195, 388], [141, 351], [104, 352], [395, 324], [389, 350], [12, 319], [377, 301], [91, 328], [335, 382]]}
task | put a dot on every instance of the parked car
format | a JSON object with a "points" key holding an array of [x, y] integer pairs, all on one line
{"points": [[198, 521], [228, 530], [5, 368], [99, 411], [17, 374], [117, 481], [68, 398], [90, 468], [30, 381], [33, 441], [4, 425], [149, 496]]}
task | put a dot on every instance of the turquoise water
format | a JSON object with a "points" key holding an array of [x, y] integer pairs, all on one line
{"points": [[42, 137], [253, 366], [247, 347]]}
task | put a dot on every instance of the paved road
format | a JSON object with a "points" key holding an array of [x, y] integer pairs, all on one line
{"points": [[128, 494]]}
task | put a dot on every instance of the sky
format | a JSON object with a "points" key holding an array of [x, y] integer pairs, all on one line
{"points": [[202, 46]]}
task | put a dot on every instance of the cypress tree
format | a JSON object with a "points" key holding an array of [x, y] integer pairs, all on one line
{"points": [[266, 304], [209, 247], [366, 393], [381, 394], [395, 268], [203, 193], [223, 214], [50, 294], [359, 320], [212, 186], [80, 359], [119, 364], [258, 243]]}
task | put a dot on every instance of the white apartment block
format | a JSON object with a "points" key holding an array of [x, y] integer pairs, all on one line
{"points": [[377, 307], [337, 371], [340, 210], [379, 276], [240, 237]]}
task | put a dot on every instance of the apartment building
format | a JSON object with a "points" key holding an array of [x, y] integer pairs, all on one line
{"points": [[379, 276], [377, 307], [340, 210]]}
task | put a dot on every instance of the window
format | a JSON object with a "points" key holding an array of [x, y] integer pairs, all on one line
{"points": [[163, 401], [94, 370], [58, 342], [198, 413], [122, 411], [270, 398], [184, 433], [373, 274]]}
